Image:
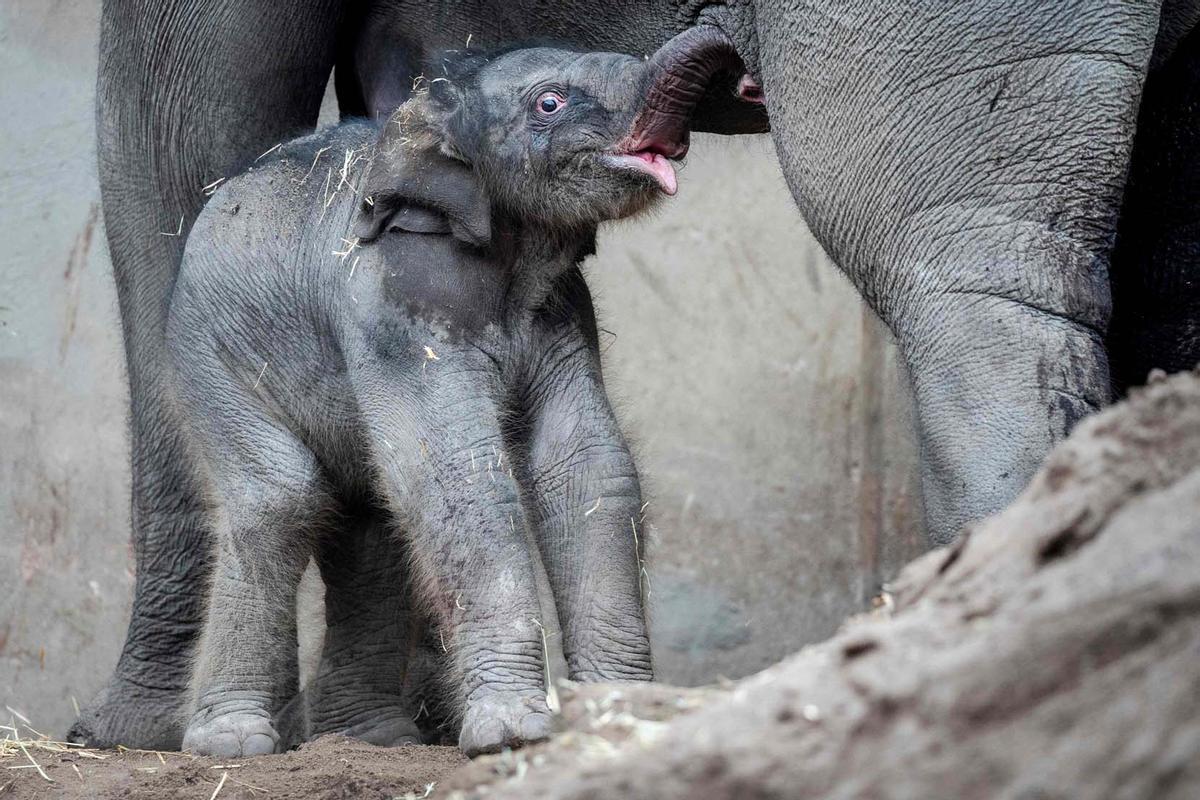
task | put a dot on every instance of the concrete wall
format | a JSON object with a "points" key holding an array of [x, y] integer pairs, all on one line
{"points": [[771, 417]]}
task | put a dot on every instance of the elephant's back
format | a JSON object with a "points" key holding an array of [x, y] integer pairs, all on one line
{"points": [[316, 172], [300, 194], [275, 227], [256, 267]]}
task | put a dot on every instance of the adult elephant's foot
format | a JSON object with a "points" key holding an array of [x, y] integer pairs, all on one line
{"points": [[233, 734], [504, 719], [387, 728], [131, 716]]}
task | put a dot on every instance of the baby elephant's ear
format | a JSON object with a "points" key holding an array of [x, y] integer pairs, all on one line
{"points": [[414, 186]]}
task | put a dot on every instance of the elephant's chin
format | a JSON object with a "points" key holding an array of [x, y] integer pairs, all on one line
{"points": [[696, 81]]}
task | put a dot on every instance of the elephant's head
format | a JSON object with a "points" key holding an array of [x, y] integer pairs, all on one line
{"points": [[561, 138]]}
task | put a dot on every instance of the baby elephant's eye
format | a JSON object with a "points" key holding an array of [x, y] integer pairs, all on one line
{"points": [[550, 102]]}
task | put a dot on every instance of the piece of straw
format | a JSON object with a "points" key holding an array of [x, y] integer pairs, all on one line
{"points": [[220, 783]]}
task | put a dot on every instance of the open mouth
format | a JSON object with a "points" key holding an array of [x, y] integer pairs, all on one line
{"points": [[649, 162]]}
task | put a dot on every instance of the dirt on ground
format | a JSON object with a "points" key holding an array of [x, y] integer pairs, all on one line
{"points": [[1052, 652], [329, 768]]}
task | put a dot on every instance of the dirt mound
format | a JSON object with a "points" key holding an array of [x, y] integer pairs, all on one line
{"points": [[1053, 652]]}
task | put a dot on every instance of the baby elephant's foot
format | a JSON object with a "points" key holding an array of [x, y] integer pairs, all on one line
{"points": [[231, 735], [504, 719]]}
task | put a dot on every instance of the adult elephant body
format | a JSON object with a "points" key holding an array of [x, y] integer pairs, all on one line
{"points": [[964, 162]]}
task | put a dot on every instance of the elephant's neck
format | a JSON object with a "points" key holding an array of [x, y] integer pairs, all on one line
{"points": [[535, 258]]}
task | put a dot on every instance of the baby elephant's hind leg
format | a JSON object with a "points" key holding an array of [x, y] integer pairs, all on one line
{"points": [[359, 690], [269, 497]]}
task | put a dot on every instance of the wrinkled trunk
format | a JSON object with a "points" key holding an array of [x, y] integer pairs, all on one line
{"points": [[699, 65]]}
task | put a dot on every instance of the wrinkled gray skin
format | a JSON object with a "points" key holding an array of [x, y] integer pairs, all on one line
{"points": [[442, 374], [964, 162]]}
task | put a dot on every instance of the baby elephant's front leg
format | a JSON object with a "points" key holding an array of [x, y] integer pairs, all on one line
{"points": [[471, 554], [587, 514]]}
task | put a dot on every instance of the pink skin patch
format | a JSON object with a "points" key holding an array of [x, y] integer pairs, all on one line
{"points": [[654, 164], [750, 90]]}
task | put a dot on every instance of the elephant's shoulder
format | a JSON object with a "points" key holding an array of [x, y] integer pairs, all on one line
{"points": [[322, 165], [245, 210], [290, 188]]}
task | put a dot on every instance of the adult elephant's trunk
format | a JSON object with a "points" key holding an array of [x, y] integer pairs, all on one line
{"points": [[682, 73]]}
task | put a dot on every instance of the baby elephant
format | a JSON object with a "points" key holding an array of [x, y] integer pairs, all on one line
{"points": [[391, 321]]}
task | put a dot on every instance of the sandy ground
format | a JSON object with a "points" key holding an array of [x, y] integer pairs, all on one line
{"points": [[330, 768], [595, 718]]}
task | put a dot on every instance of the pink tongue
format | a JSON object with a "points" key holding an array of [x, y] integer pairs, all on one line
{"points": [[662, 169]]}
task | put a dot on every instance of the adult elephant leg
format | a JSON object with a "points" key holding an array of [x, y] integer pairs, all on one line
{"points": [[964, 162], [188, 90], [1156, 263]]}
